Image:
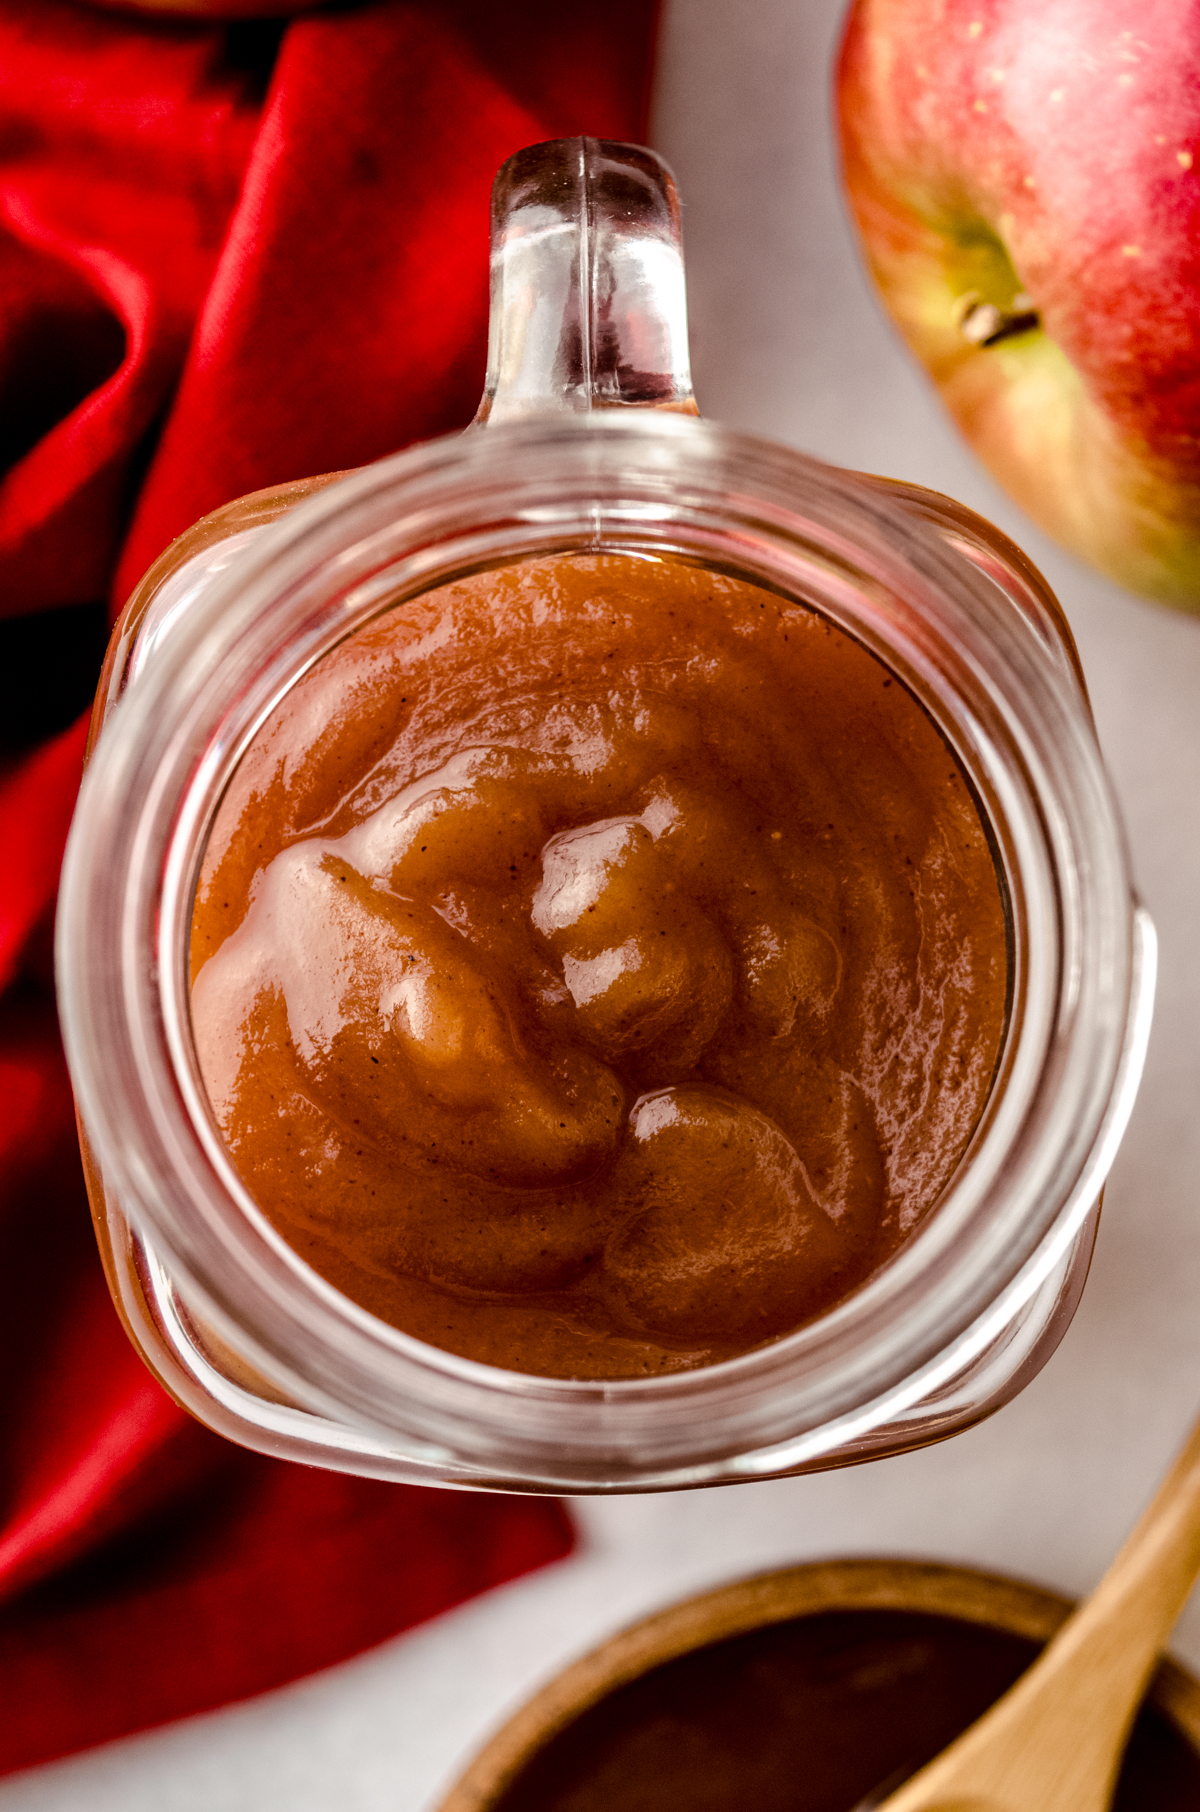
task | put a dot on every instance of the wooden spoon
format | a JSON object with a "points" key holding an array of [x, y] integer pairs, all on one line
{"points": [[1054, 1742]]}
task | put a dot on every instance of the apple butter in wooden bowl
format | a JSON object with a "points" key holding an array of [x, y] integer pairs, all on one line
{"points": [[802, 1691]]}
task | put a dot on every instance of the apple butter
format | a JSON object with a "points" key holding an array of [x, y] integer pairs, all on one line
{"points": [[811, 1715], [599, 966]]}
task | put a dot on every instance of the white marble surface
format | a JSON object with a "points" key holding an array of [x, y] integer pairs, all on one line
{"points": [[789, 342]]}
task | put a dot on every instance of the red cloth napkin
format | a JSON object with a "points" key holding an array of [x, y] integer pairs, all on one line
{"points": [[230, 255]]}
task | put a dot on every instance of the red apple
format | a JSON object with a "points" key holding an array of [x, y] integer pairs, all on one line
{"points": [[1025, 175]]}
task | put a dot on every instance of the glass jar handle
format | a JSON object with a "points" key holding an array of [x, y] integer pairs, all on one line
{"points": [[588, 304]]}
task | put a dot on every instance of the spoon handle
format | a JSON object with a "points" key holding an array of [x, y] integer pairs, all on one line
{"points": [[1056, 1739]]}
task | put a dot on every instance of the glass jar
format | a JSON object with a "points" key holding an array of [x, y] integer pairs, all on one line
{"points": [[592, 443]]}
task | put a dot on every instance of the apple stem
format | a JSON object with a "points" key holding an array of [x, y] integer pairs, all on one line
{"points": [[986, 325]]}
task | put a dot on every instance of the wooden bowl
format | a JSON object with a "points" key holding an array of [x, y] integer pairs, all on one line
{"points": [[955, 1593]]}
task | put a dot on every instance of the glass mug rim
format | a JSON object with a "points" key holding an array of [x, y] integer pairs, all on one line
{"points": [[1005, 696]]}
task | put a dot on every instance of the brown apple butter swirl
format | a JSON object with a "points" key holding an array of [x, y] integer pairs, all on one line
{"points": [[599, 966]]}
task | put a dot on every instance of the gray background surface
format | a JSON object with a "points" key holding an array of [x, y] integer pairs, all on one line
{"points": [[789, 342]]}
